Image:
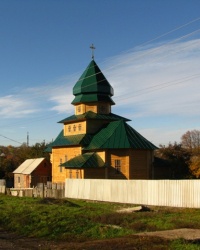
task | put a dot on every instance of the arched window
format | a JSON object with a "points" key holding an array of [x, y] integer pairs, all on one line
{"points": [[74, 128], [79, 127], [69, 128]]}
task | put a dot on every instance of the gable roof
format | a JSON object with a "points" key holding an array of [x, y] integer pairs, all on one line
{"points": [[93, 116], [119, 135], [87, 160], [28, 166], [92, 86]]}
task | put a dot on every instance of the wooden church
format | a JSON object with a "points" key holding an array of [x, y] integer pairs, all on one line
{"points": [[95, 143]]}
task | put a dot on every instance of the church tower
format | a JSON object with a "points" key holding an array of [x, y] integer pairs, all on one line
{"points": [[94, 142], [92, 92]]}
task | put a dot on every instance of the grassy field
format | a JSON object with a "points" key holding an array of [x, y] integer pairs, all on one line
{"points": [[81, 221]]}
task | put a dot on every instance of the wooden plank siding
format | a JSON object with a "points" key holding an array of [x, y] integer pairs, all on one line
{"points": [[96, 108], [84, 127], [141, 164], [123, 157], [95, 173], [74, 173], [76, 128], [135, 164], [62, 155]]}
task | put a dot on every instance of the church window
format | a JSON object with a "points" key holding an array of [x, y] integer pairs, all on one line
{"points": [[74, 128], [79, 109], [69, 128], [77, 174], [60, 165], [65, 158], [79, 127], [70, 174], [117, 166]]}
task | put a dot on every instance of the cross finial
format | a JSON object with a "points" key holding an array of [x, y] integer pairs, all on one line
{"points": [[92, 48]]}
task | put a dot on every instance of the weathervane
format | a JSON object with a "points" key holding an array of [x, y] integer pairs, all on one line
{"points": [[92, 48]]}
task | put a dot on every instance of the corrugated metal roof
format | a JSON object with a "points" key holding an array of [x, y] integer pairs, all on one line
{"points": [[87, 160], [28, 166], [91, 115], [84, 98], [61, 140], [119, 135], [92, 86]]}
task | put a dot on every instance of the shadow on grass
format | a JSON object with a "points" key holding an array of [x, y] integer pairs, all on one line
{"points": [[53, 201]]}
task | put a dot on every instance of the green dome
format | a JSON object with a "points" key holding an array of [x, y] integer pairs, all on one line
{"points": [[92, 86]]}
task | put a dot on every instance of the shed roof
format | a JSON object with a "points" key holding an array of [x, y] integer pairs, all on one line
{"points": [[118, 135], [28, 166], [87, 160]]}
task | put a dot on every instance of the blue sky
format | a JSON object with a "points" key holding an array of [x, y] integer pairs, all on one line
{"points": [[149, 51]]}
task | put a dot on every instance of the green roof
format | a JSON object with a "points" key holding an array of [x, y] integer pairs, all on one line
{"points": [[83, 98], [61, 140], [92, 86], [93, 116], [87, 160], [119, 135]]}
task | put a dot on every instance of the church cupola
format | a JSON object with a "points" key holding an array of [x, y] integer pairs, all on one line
{"points": [[92, 87], [92, 91]]}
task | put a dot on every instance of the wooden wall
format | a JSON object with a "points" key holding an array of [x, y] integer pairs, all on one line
{"points": [[123, 156], [95, 173], [84, 127], [95, 107], [141, 163], [62, 154]]}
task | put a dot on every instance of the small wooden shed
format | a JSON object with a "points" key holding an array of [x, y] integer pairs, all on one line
{"points": [[31, 172]]}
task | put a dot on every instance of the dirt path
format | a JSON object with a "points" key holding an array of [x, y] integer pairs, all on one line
{"points": [[183, 233], [157, 240], [9, 241]]}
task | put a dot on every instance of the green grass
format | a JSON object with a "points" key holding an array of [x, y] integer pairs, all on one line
{"points": [[83, 220]]}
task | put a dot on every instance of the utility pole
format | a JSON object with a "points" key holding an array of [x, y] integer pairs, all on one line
{"points": [[27, 140]]}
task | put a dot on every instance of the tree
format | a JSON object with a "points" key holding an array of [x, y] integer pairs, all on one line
{"points": [[178, 159], [191, 141], [195, 166]]}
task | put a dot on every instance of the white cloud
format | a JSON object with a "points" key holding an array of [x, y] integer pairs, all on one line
{"points": [[153, 85], [158, 81], [14, 107]]}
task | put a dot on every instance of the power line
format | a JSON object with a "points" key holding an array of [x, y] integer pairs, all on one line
{"points": [[162, 85], [11, 139], [156, 38], [157, 49]]}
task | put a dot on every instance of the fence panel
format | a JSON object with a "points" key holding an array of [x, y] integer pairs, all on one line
{"points": [[175, 193]]}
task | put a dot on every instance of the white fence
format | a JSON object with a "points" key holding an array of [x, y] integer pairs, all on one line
{"points": [[175, 193]]}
